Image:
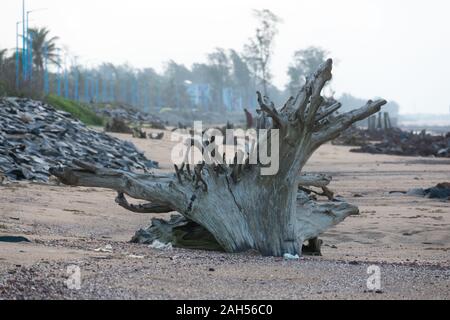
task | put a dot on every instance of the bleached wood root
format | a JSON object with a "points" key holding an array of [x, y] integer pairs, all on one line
{"points": [[235, 203]]}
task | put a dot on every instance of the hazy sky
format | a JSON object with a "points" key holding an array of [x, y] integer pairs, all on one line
{"points": [[396, 49]]}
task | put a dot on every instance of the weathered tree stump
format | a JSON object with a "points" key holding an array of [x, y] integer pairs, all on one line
{"points": [[241, 208]]}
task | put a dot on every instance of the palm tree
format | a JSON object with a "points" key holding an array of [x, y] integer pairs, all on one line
{"points": [[42, 43]]}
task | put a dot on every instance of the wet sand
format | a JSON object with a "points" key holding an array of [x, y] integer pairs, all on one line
{"points": [[407, 237]]}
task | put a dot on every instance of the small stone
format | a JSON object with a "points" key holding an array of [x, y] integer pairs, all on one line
{"points": [[288, 256]]}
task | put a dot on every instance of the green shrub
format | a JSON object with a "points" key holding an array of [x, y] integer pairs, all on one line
{"points": [[78, 110]]}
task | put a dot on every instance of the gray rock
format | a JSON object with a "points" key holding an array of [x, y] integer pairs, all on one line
{"points": [[13, 239], [416, 192]]}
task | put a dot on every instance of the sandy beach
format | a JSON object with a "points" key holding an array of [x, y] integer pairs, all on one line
{"points": [[407, 237]]}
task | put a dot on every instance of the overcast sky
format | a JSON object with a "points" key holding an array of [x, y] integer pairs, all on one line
{"points": [[396, 49]]}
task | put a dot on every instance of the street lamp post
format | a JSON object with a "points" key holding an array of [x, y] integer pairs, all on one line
{"points": [[28, 43], [17, 54], [24, 59]]}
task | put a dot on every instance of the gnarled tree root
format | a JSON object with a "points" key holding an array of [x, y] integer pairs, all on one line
{"points": [[239, 204]]}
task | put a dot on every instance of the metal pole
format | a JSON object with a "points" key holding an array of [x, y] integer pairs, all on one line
{"points": [[91, 88], [76, 96], [146, 106], [129, 92], [104, 89], [96, 89], [111, 90], [86, 88], [123, 90], [17, 55], [24, 50], [126, 92], [27, 47], [66, 78]]}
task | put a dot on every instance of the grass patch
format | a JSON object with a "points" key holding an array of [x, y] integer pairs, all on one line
{"points": [[78, 110]]}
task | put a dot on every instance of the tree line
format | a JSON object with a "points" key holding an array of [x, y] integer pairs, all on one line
{"points": [[227, 81]]}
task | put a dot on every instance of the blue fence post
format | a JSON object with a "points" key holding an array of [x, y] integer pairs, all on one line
{"points": [[92, 96], [102, 89], [146, 100], [130, 93], [66, 84], [136, 94], [111, 90], [58, 78], [157, 95], [97, 89], [86, 87], [30, 57], [76, 96]]}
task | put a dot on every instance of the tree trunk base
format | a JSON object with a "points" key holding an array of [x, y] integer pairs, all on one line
{"points": [[180, 232], [185, 234]]}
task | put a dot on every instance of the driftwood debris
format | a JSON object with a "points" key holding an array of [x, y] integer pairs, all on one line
{"points": [[395, 141], [237, 204], [138, 133], [118, 125], [130, 115], [156, 136], [248, 119]]}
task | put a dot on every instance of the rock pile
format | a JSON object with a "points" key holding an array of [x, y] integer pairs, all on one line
{"points": [[396, 142], [357, 137], [35, 137], [118, 125]]}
